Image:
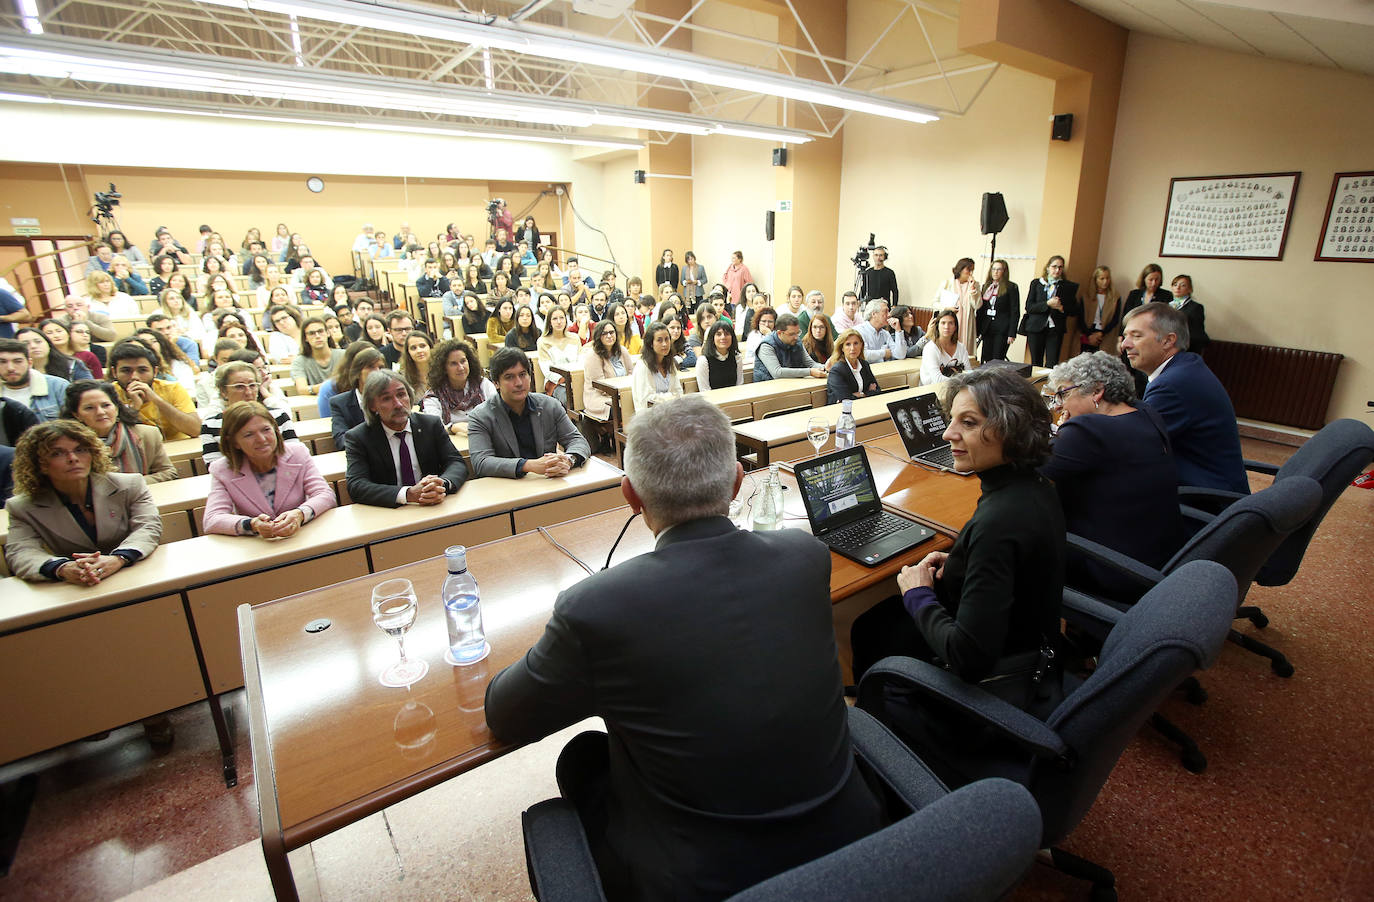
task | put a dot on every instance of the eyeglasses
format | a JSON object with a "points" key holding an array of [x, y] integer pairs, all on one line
{"points": [[1055, 400], [244, 386], [313, 333]]}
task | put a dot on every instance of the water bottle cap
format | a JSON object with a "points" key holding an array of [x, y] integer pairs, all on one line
{"points": [[457, 554], [847, 405]]}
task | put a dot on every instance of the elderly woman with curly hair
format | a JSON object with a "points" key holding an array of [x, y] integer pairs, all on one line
{"points": [[988, 609], [75, 518], [1114, 470]]}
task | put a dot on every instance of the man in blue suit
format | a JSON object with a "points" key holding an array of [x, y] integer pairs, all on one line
{"points": [[1184, 392]]}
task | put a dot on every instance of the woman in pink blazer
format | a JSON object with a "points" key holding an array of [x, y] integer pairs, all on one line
{"points": [[262, 486]]}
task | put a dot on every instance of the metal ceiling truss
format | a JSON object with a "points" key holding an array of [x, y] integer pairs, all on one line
{"points": [[190, 26]]}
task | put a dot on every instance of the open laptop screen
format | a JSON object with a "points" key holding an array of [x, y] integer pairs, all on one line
{"points": [[920, 422], [837, 488]]}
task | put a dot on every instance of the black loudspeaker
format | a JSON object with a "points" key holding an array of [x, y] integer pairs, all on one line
{"points": [[1062, 129], [779, 156], [639, 176], [768, 225], [994, 216]]}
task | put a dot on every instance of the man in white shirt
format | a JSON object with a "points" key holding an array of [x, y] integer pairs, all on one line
{"points": [[363, 243], [880, 344]]}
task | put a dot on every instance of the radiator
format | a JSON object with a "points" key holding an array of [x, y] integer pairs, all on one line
{"points": [[1287, 386]]}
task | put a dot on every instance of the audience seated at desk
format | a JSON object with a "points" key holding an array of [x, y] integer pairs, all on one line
{"points": [[1186, 394], [397, 457], [23, 384], [47, 359], [524, 334], [158, 402], [134, 447], [456, 385], [655, 380], [850, 375], [780, 355], [317, 359], [721, 361], [78, 310], [883, 340], [346, 406], [989, 605], [557, 348], [414, 363], [944, 355], [683, 355], [759, 324], [687, 797], [262, 486], [519, 431], [1114, 470], [238, 381], [15, 419]]}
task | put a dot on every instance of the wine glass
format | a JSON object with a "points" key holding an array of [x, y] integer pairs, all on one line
{"points": [[393, 610], [817, 432]]}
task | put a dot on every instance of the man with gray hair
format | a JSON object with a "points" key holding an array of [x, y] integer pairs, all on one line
{"points": [[879, 343], [396, 457], [812, 307], [726, 756]]}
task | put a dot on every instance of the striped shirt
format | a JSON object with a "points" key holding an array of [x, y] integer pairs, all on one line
{"points": [[211, 425]]}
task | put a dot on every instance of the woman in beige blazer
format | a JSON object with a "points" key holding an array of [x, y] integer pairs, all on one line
{"points": [[135, 447], [73, 518]]}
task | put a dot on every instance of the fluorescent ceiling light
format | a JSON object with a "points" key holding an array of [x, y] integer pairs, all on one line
{"points": [[80, 60], [183, 110], [562, 46]]}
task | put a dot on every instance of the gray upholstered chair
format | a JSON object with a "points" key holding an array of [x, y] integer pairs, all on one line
{"points": [[965, 733], [971, 844]]}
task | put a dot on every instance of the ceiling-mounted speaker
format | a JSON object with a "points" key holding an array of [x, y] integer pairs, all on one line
{"points": [[639, 176], [1062, 129], [779, 156]]}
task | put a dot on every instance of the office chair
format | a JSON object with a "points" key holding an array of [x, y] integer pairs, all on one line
{"points": [[1176, 628], [971, 844]]}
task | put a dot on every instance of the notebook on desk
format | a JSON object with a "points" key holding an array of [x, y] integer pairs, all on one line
{"points": [[846, 513], [921, 423]]}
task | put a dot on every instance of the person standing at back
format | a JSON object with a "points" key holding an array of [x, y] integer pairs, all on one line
{"points": [[879, 281], [685, 796]]}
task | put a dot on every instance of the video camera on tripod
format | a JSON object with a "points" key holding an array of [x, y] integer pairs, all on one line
{"points": [[105, 202], [494, 210], [860, 259]]}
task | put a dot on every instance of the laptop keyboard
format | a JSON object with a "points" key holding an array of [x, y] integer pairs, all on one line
{"points": [[941, 457], [857, 535]]}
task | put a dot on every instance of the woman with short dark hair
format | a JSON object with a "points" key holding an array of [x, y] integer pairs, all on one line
{"points": [[988, 609]]}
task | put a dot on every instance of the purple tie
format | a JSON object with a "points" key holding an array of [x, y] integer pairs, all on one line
{"points": [[407, 468]]}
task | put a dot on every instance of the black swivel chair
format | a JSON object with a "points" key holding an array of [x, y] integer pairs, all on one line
{"points": [[1177, 627], [972, 844]]}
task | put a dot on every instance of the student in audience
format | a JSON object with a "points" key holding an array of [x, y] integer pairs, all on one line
{"points": [[294, 247], [680, 694], [346, 407], [578, 286], [15, 419], [795, 304], [414, 364], [166, 405], [25, 384], [60, 338], [655, 379], [342, 306], [315, 291], [81, 346], [317, 360], [206, 393], [704, 318], [165, 244], [524, 334], [381, 248], [500, 288], [721, 362], [432, 284], [1193, 311], [219, 304], [849, 376], [988, 607], [558, 347], [518, 431], [812, 307], [249, 258], [818, 340], [999, 311], [944, 355], [474, 315], [73, 518], [525, 254], [397, 457], [456, 385], [233, 330], [172, 305], [308, 263], [262, 272], [398, 326], [620, 315], [603, 357], [327, 389], [1051, 300], [125, 279], [505, 264], [235, 381], [1194, 405], [284, 341], [758, 330], [472, 279], [44, 358], [736, 275], [781, 356], [684, 355], [1105, 433], [101, 259], [1101, 305], [528, 232], [881, 340], [745, 313], [501, 321], [263, 486], [583, 322], [374, 332], [916, 337], [78, 311], [268, 391], [134, 446], [847, 317], [119, 245], [178, 282], [172, 364], [170, 329], [101, 290], [281, 239]]}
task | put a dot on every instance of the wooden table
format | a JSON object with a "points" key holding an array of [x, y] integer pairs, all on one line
{"points": [[326, 758]]}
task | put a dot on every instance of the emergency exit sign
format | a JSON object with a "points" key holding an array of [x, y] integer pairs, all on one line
{"points": [[26, 226]]}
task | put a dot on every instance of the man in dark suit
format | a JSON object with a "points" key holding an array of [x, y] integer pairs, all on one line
{"points": [[728, 757], [1184, 392], [397, 457], [518, 431]]}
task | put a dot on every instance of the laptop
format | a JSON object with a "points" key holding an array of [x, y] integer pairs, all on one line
{"points": [[921, 423], [845, 512]]}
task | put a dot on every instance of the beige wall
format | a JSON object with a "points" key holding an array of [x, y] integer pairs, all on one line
{"points": [[1194, 111], [734, 187]]}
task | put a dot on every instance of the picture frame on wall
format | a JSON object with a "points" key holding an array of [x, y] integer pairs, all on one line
{"points": [[1229, 217], [1347, 234]]}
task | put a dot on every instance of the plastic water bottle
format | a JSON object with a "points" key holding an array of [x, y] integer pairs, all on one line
{"points": [[768, 506], [844, 426], [467, 640]]}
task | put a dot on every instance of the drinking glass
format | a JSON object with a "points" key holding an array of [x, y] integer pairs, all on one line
{"points": [[393, 610], [817, 432]]}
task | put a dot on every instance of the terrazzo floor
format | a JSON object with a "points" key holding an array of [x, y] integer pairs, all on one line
{"points": [[1285, 811]]}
